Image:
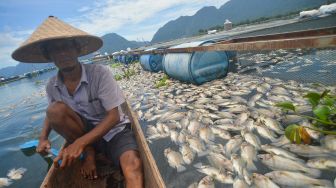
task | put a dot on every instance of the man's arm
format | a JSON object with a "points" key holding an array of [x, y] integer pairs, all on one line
{"points": [[44, 143]]}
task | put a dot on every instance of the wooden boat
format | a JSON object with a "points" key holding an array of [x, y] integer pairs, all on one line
{"points": [[71, 177]]}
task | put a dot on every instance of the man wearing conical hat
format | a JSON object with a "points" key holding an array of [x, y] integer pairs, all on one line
{"points": [[84, 102]]}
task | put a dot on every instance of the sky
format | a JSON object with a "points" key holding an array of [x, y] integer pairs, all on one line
{"points": [[133, 19]]}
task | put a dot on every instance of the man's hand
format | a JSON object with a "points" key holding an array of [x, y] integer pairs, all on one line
{"points": [[69, 154], [43, 146]]}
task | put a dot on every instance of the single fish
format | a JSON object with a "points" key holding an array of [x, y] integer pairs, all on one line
{"points": [[232, 146], [237, 164], [272, 124], [249, 154], [193, 127], [251, 138], [221, 133], [220, 176], [308, 150], [322, 163], [187, 154], [175, 159], [281, 152], [266, 133], [296, 179], [276, 162], [261, 181], [218, 160], [16, 174], [197, 146], [206, 134]]}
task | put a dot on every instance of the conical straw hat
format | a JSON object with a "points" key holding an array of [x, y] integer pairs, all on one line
{"points": [[31, 51]]}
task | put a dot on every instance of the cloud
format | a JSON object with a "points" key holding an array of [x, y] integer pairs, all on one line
{"points": [[9, 41], [122, 15]]}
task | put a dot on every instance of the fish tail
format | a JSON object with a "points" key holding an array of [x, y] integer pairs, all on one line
{"points": [[180, 168], [313, 172]]}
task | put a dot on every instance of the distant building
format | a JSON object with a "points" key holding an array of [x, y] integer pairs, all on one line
{"points": [[212, 32], [227, 25]]}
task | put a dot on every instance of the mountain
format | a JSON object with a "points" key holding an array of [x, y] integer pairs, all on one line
{"points": [[234, 10], [22, 68], [112, 42]]}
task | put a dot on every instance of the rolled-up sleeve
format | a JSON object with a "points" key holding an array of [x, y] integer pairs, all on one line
{"points": [[109, 92]]}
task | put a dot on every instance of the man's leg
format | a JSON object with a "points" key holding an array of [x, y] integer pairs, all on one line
{"points": [[70, 126], [131, 166]]}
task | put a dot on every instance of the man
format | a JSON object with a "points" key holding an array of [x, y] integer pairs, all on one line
{"points": [[84, 102]]}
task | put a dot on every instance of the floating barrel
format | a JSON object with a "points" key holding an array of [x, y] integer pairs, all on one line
{"points": [[151, 62], [197, 67]]}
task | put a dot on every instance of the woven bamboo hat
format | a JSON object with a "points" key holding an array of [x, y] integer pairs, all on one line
{"points": [[32, 50]]}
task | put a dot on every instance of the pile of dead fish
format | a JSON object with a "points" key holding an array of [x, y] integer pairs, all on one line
{"points": [[233, 124]]}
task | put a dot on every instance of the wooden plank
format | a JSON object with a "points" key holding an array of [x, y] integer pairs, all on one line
{"points": [[152, 174]]}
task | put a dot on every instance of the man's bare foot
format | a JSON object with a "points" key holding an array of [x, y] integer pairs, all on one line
{"points": [[88, 169]]}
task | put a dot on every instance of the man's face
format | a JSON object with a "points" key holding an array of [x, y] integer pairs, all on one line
{"points": [[64, 54]]}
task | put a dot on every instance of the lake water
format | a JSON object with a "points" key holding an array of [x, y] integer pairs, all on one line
{"points": [[22, 111]]}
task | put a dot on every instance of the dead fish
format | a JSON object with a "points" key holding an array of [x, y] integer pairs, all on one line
{"points": [[330, 142], [174, 136], [241, 118], [283, 140], [193, 127], [281, 152], [175, 159], [272, 124], [276, 162], [5, 182], [266, 133], [218, 160], [206, 182], [251, 138], [307, 150], [296, 179], [206, 134], [237, 164], [187, 154], [221, 133], [322, 163], [197, 146], [248, 154], [16, 174], [220, 176], [232, 146], [261, 181]]}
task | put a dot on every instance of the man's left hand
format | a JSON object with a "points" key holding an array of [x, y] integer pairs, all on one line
{"points": [[69, 154]]}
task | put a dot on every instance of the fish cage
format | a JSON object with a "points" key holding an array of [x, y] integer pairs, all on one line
{"points": [[196, 67], [260, 125], [151, 62]]}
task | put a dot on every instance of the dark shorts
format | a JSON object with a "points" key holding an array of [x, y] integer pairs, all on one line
{"points": [[120, 143]]}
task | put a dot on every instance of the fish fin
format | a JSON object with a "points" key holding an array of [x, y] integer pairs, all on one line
{"points": [[180, 168], [198, 165]]}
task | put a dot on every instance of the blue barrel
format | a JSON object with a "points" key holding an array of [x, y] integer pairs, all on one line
{"points": [[197, 67], [151, 62]]}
